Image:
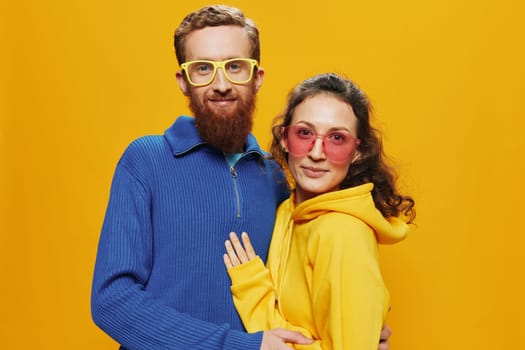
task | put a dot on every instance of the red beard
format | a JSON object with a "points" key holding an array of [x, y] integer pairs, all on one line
{"points": [[223, 129]]}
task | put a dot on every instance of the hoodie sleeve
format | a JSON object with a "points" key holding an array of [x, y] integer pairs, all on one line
{"points": [[254, 297], [349, 299]]}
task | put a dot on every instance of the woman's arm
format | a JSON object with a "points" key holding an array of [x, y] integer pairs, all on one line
{"points": [[252, 288]]}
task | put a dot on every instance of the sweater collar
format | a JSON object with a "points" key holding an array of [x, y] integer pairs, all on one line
{"points": [[183, 137]]}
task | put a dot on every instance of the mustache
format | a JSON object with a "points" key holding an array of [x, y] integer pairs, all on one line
{"points": [[218, 96]]}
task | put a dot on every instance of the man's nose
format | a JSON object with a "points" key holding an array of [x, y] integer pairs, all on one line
{"points": [[220, 82]]}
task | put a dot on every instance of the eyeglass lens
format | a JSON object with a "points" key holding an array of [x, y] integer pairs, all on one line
{"points": [[338, 146]]}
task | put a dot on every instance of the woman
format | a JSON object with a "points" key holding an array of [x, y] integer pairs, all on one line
{"points": [[323, 276]]}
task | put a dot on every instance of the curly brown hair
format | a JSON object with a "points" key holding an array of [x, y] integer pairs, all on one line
{"points": [[370, 166], [214, 16]]}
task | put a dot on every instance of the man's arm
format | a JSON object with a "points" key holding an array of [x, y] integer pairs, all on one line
{"points": [[121, 305]]}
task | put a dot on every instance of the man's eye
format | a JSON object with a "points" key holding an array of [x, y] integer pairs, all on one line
{"points": [[235, 66], [202, 68]]}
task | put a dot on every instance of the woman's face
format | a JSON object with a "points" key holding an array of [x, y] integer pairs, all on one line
{"points": [[321, 142]]}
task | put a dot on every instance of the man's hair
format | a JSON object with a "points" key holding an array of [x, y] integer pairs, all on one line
{"points": [[371, 165], [214, 16]]}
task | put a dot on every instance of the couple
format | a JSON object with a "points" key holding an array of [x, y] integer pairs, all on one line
{"points": [[159, 282]]}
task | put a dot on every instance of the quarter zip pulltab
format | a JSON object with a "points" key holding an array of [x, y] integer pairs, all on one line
{"points": [[233, 172], [234, 177]]}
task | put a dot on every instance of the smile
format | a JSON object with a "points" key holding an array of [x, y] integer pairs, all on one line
{"points": [[222, 100]]}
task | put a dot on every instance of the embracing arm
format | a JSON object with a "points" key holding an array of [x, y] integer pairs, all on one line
{"points": [[120, 303], [253, 289]]}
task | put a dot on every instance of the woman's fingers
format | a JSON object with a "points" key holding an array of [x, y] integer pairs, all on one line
{"points": [[236, 254], [231, 254], [250, 252], [241, 253], [227, 261]]}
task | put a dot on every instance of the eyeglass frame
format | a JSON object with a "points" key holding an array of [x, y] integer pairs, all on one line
{"points": [[220, 64], [322, 137]]}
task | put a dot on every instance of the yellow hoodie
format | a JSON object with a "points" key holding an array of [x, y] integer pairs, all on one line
{"points": [[323, 276]]}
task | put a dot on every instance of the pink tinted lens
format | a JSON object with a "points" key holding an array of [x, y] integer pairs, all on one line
{"points": [[299, 142], [338, 146]]}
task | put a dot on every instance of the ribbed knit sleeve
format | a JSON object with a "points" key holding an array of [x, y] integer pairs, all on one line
{"points": [[122, 305]]}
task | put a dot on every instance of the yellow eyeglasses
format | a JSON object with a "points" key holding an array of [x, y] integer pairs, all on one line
{"points": [[236, 70]]}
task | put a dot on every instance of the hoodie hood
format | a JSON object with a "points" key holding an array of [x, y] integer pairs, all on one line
{"points": [[358, 202]]}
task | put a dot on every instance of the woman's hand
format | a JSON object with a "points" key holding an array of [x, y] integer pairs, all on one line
{"points": [[235, 253]]}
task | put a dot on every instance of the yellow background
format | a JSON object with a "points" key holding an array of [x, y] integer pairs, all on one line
{"points": [[80, 79]]}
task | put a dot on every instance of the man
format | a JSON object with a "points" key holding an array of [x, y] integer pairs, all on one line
{"points": [[159, 280]]}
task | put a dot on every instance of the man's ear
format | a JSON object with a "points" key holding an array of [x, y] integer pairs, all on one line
{"points": [[183, 84], [259, 76]]}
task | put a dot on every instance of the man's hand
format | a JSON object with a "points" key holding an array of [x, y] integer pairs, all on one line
{"points": [[276, 339], [386, 332]]}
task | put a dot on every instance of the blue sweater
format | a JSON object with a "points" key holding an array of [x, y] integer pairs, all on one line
{"points": [[159, 280]]}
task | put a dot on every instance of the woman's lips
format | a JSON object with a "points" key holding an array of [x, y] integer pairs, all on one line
{"points": [[313, 172]]}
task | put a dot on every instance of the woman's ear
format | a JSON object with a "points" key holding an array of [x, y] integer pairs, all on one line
{"points": [[283, 140], [356, 156], [183, 84]]}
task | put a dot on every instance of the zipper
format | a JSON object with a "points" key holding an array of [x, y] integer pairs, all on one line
{"points": [[236, 190]]}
